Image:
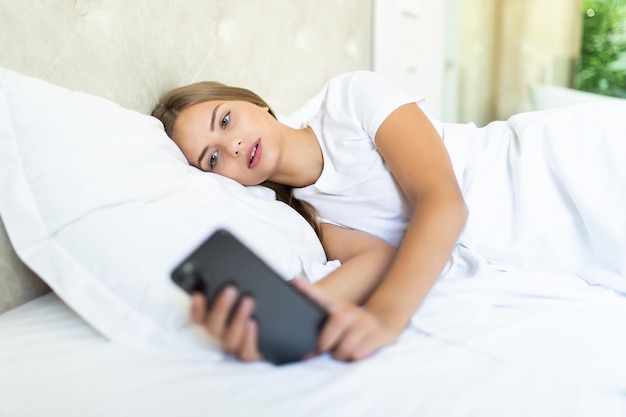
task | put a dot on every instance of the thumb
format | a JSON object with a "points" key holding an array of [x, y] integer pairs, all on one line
{"points": [[316, 294]]}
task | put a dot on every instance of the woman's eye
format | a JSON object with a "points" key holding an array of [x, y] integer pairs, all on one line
{"points": [[225, 120], [213, 160]]}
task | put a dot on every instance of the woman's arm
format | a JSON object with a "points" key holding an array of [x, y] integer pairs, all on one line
{"points": [[364, 258], [420, 164]]}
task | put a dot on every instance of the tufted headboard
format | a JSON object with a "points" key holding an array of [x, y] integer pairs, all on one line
{"points": [[131, 51]]}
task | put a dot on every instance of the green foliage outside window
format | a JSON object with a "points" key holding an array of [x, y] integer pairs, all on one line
{"points": [[602, 65]]}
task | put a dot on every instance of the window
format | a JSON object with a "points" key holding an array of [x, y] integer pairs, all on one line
{"points": [[602, 65]]}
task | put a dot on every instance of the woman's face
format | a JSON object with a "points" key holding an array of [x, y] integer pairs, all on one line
{"points": [[236, 139]]}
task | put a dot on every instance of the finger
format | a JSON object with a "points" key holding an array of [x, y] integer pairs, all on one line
{"points": [[233, 336], [217, 317], [249, 351], [351, 345], [365, 344], [335, 330], [198, 308], [312, 354], [356, 331], [366, 349], [316, 294], [368, 346]]}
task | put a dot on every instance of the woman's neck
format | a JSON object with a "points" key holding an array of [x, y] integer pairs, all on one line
{"points": [[301, 160]]}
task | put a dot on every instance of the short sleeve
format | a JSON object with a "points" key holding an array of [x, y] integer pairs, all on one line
{"points": [[373, 99]]}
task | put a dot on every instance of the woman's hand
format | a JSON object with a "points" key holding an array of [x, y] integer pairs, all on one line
{"points": [[238, 333], [351, 333]]}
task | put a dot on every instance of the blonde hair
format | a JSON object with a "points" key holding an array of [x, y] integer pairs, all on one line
{"points": [[174, 101]]}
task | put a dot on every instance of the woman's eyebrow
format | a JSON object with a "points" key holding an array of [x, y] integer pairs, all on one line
{"points": [[213, 116], [206, 148]]}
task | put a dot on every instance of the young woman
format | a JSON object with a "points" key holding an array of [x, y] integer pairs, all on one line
{"points": [[373, 176]]}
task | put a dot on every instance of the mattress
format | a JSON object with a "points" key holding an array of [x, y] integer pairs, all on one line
{"points": [[52, 363]]}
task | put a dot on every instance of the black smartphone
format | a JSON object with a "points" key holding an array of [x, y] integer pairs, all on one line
{"points": [[288, 321]]}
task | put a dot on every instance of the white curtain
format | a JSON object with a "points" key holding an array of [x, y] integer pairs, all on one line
{"points": [[507, 44]]}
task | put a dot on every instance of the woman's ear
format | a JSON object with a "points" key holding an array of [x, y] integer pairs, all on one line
{"points": [[267, 109]]}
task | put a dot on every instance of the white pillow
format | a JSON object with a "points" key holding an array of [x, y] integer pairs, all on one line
{"points": [[101, 205]]}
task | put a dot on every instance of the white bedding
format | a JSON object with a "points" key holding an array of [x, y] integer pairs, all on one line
{"points": [[489, 340], [486, 355], [554, 325], [545, 193]]}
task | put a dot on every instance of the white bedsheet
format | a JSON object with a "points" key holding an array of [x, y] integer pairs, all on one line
{"points": [[479, 364], [554, 325]]}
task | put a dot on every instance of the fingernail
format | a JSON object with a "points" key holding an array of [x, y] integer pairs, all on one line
{"points": [[229, 291], [195, 302], [249, 303]]}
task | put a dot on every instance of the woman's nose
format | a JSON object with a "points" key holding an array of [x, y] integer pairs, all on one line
{"points": [[235, 147]]}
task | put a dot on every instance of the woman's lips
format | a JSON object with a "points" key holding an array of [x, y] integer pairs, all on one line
{"points": [[254, 154]]}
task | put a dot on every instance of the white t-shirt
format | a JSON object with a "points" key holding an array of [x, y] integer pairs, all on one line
{"points": [[356, 188]]}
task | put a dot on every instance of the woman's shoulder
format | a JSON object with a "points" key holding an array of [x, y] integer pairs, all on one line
{"points": [[357, 76], [365, 92], [354, 89], [337, 95], [362, 85]]}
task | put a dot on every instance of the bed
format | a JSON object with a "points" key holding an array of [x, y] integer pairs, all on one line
{"points": [[97, 206]]}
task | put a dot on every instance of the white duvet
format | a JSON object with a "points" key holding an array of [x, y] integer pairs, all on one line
{"points": [[539, 276], [547, 191]]}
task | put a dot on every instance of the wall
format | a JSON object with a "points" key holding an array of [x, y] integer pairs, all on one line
{"points": [[415, 46]]}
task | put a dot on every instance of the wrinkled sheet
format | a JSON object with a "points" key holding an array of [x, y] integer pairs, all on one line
{"points": [[554, 325]]}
